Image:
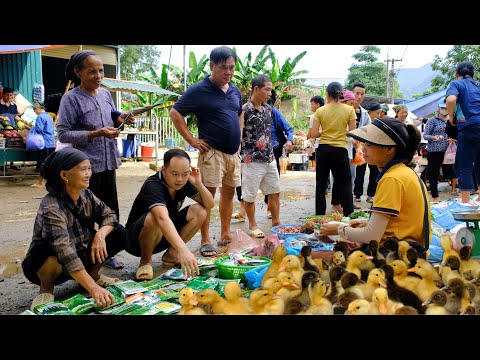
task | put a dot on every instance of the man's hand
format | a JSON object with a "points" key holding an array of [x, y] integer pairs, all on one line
{"points": [[289, 146], [188, 262], [200, 144], [195, 178]]}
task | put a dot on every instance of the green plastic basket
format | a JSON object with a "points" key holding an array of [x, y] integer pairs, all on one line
{"points": [[236, 272]]}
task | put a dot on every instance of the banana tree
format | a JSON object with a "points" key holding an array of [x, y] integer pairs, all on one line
{"points": [[246, 70], [284, 77]]}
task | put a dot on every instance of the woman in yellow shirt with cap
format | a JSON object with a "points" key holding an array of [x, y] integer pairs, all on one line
{"points": [[400, 208]]}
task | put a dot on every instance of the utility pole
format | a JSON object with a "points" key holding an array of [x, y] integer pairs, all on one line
{"points": [[392, 79], [386, 80]]}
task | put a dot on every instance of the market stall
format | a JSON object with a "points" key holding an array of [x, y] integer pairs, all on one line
{"points": [[12, 150], [298, 158]]}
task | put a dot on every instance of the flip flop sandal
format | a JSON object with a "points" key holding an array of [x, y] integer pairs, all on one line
{"points": [[106, 281], [145, 270], [208, 248], [238, 217], [40, 299], [114, 263], [257, 233]]}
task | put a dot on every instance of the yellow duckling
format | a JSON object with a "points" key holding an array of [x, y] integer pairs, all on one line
{"points": [[235, 304], [189, 303]]}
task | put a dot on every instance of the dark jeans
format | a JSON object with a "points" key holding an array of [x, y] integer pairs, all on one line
{"points": [[360, 177], [104, 186], [468, 156], [115, 242], [335, 159], [435, 160]]}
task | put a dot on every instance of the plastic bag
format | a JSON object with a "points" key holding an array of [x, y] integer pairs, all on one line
{"points": [[242, 243], [358, 159], [34, 141], [449, 157], [267, 246]]}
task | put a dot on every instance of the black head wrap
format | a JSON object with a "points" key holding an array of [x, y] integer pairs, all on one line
{"points": [[64, 159], [76, 61]]}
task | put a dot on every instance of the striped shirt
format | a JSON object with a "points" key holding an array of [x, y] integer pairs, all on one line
{"points": [[56, 225]]}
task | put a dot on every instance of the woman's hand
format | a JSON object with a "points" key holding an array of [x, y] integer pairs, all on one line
{"points": [[358, 223], [102, 297], [108, 132], [98, 254], [329, 229], [130, 119]]}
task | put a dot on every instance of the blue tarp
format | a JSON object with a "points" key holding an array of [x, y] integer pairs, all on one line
{"points": [[443, 215]]}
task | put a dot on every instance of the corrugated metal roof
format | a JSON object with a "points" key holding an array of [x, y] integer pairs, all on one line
{"points": [[133, 87], [108, 54], [13, 49]]}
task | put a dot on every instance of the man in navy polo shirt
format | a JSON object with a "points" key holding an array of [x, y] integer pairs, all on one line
{"points": [[157, 220], [217, 104], [8, 109]]}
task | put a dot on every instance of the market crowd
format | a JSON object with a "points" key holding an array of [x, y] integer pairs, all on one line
{"points": [[240, 148]]}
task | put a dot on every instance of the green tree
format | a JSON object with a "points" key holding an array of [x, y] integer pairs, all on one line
{"points": [[284, 77], [136, 59], [245, 70], [370, 71], [447, 66]]}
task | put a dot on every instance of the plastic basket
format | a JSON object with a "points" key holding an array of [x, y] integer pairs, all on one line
{"points": [[236, 272], [282, 235]]}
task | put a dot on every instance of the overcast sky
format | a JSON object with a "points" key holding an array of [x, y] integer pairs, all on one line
{"points": [[321, 61]]}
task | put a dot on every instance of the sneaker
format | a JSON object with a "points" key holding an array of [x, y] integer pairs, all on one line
{"points": [[369, 199], [357, 199], [356, 207]]}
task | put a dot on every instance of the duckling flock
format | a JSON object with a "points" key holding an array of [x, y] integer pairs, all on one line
{"points": [[352, 283]]}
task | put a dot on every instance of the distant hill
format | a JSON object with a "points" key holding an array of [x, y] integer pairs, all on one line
{"points": [[415, 81]]}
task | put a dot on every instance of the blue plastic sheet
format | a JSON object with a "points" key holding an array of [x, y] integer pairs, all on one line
{"points": [[436, 251], [444, 217]]}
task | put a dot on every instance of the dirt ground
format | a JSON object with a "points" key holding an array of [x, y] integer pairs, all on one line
{"points": [[20, 204]]}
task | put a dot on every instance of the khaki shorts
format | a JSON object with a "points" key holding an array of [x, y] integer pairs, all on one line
{"points": [[263, 176], [218, 168]]}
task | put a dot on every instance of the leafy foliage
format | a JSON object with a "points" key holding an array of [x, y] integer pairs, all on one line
{"points": [[370, 71], [136, 59], [447, 66]]}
